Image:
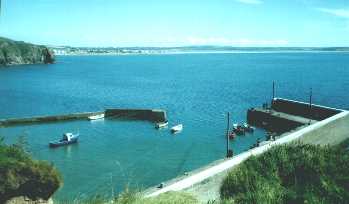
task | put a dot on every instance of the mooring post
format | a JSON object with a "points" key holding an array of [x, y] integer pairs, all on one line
{"points": [[272, 99], [111, 183], [227, 133], [229, 151], [310, 104]]}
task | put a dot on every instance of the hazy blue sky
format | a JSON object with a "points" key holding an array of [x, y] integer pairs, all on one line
{"points": [[177, 22]]}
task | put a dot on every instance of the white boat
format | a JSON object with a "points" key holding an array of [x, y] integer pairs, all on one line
{"points": [[177, 128], [96, 117], [248, 128], [161, 125]]}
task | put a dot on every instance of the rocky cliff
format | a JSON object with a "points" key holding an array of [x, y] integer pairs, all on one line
{"points": [[18, 52]]}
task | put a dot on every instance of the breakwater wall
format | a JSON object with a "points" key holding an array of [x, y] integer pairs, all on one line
{"points": [[153, 115], [134, 114], [285, 115], [316, 112], [273, 121]]}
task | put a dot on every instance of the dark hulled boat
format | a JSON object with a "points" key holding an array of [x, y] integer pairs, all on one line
{"points": [[68, 138]]}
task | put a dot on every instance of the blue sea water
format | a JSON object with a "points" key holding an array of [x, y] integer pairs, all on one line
{"points": [[195, 89]]}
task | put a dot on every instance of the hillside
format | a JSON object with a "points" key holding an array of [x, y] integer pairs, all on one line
{"points": [[296, 173], [18, 52]]}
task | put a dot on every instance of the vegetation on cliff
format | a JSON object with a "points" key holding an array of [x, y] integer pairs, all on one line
{"points": [[18, 52], [297, 173], [20, 175]]}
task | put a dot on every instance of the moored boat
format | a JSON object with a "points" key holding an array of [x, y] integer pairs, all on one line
{"points": [[96, 117], [232, 135], [238, 129], [161, 125], [248, 128], [177, 128], [68, 138]]}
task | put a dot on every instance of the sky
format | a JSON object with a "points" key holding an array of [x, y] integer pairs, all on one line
{"points": [[123, 23]]}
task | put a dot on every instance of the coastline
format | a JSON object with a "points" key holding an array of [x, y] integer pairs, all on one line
{"points": [[198, 52]]}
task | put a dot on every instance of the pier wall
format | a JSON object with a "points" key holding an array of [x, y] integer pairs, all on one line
{"points": [[285, 115], [303, 109], [271, 122], [45, 119], [138, 114]]}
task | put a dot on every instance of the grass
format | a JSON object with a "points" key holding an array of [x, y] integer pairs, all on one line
{"points": [[295, 173]]}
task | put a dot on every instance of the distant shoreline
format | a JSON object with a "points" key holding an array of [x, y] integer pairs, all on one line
{"points": [[204, 52]]}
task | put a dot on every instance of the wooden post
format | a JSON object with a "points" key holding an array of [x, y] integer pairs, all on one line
{"points": [[310, 104], [227, 136], [272, 99], [112, 187]]}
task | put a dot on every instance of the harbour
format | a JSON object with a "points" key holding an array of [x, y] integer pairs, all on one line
{"points": [[331, 128], [133, 151], [171, 102]]}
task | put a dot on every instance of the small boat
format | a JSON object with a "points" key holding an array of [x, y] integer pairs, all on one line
{"points": [[238, 129], [161, 185], [177, 128], [96, 117], [68, 138], [161, 125], [232, 135], [271, 136], [248, 128], [257, 144]]}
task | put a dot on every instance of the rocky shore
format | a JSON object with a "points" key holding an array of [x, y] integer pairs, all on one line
{"points": [[19, 52]]}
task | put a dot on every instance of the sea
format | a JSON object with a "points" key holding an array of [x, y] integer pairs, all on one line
{"points": [[196, 90]]}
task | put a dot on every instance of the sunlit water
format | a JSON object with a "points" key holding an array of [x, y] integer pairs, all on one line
{"points": [[195, 89]]}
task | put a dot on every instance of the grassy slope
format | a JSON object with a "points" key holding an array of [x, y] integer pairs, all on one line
{"points": [[294, 173]]}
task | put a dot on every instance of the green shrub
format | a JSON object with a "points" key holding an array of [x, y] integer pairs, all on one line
{"points": [[20, 175], [296, 173]]}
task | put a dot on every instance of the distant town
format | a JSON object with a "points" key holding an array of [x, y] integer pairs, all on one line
{"points": [[67, 50]]}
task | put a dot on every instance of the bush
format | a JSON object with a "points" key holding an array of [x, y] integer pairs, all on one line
{"points": [[296, 173], [20, 175]]}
